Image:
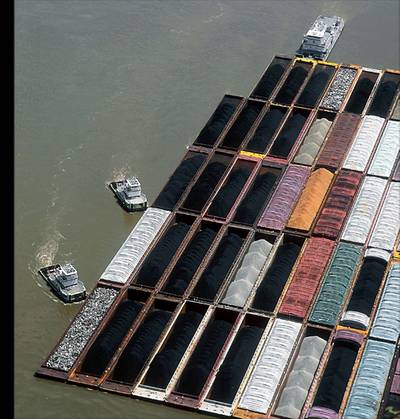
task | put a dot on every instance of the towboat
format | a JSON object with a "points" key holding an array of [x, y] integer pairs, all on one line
{"points": [[320, 39], [63, 280], [129, 194]]}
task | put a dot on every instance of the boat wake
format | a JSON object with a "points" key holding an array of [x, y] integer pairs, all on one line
{"points": [[47, 251], [119, 174], [46, 255], [217, 16]]}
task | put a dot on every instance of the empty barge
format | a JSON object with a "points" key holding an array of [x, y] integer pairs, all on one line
{"points": [[269, 260]]}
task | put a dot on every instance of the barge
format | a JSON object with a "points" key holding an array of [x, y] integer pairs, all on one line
{"points": [[269, 259], [64, 282]]}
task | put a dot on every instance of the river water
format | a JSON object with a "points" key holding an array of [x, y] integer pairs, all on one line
{"points": [[104, 88]]}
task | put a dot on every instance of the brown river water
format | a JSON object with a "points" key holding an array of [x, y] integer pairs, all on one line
{"points": [[104, 88]]}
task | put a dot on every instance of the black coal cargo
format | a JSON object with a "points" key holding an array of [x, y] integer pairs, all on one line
{"points": [[165, 362], [220, 118], [211, 279], [140, 346], [275, 279], [367, 285], [360, 95], [254, 200], [102, 350], [203, 358], [291, 85], [269, 80], [204, 186], [265, 130], [383, 99], [336, 375], [234, 367], [315, 86], [178, 182], [156, 262], [243, 123], [189, 261], [287, 137], [227, 195]]}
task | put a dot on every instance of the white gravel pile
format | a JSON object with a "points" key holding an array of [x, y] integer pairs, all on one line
{"points": [[82, 329], [339, 87]]}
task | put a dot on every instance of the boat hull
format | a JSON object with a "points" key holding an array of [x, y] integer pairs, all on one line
{"points": [[127, 206], [65, 297], [320, 55]]}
